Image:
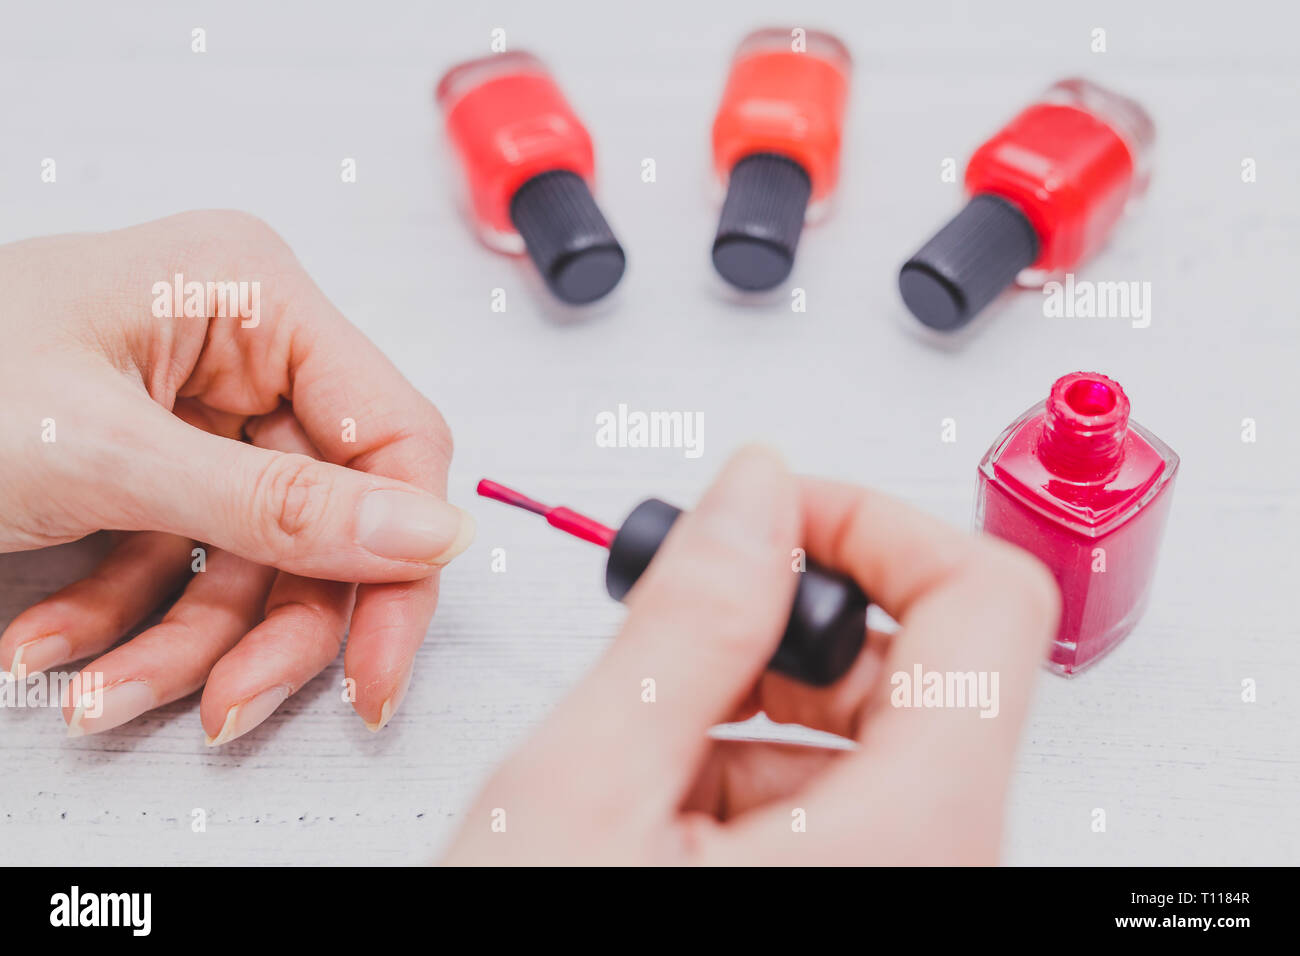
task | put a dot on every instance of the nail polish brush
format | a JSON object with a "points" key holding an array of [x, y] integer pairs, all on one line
{"points": [[827, 624]]}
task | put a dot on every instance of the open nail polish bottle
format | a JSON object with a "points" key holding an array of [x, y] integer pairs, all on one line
{"points": [[1086, 490], [776, 146], [1044, 195], [530, 168]]}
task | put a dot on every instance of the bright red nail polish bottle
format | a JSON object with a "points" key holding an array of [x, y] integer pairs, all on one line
{"points": [[776, 144], [530, 168], [1045, 193], [1077, 484]]}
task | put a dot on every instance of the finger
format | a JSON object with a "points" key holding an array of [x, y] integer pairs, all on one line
{"points": [[353, 404], [285, 510], [356, 408], [92, 614], [304, 626], [171, 660], [338, 376], [225, 424], [306, 620], [280, 431], [89, 615], [388, 626], [898, 552], [388, 623], [965, 604], [835, 709], [341, 376], [738, 776], [703, 622]]}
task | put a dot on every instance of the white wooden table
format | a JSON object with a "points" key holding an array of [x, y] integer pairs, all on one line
{"points": [[1157, 735]]}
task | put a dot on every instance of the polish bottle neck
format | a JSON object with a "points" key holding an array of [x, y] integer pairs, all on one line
{"points": [[1084, 427]]}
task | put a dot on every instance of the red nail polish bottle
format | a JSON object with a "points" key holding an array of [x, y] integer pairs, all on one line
{"points": [[530, 167], [1045, 193], [1074, 482], [776, 144]]}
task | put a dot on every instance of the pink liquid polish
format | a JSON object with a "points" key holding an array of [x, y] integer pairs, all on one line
{"points": [[1086, 490]]}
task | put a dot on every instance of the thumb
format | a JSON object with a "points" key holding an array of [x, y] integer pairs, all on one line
{"points": [[289, 511], [703, 622]]}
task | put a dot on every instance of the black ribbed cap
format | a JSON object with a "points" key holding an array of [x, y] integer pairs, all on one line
{"points": [[828, 617], [567, 237], [767, 198], [968, 262]]}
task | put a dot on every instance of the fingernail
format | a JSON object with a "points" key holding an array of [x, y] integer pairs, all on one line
{"points": [[402, 526], [242, 718], [107, 707], [35, 656], [40, 653], [390, 706]]}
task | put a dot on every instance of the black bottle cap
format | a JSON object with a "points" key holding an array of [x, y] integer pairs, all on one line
{"points": [[826, 630], [828, 619], [968, 262], [635, 544], [567, 237], [762, 217]]}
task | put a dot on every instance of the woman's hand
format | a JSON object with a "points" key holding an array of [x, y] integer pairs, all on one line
{"points": [[122, 412], [613, 777]]}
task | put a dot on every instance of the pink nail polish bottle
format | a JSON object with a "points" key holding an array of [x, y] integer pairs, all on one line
{"points": [[1077, 484]]}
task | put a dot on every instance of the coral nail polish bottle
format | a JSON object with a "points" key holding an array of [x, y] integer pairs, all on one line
{"points": [[1077, 484], [1045, 193], [530, 168], [776, 146]]}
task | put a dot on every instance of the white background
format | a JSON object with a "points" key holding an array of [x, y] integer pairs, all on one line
{"points": [[1156, 735]]}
